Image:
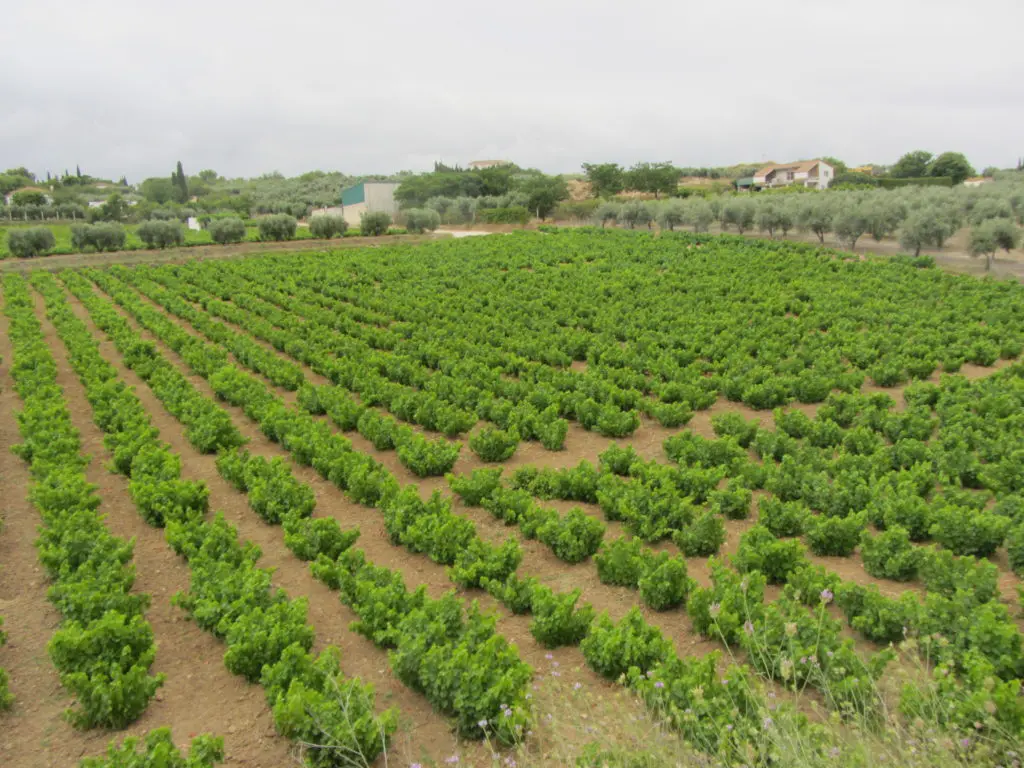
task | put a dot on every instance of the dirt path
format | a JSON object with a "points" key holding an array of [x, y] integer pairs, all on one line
{"points": [[538, 560], [32, 733], [192, 699], [422, 730], [582, 445], [180, 255], [415, 570]]}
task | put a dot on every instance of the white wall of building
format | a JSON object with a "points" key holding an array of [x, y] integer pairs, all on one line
{"points": [[353, 212]]}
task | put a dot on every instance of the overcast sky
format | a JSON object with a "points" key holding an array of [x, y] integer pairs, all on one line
{"points": [[383, 85]]}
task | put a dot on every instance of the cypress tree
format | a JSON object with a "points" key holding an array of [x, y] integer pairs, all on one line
{"points": [[181, 183]]}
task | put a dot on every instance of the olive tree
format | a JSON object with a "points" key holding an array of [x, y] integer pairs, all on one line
{"points": [[1004, 232], [671, 214], [374, 223], [699, 214], [850, 223], [772, 215], [326, 226], [104, 236], [815, 213], [227, 230], [442, 205], [882, 214], [990, 207], [983, 243], [923, 227], [633, 213], [465, 209], [278, 226], [160, 234], [740, 213], [608, 212], [33, 241], [418, 220]]}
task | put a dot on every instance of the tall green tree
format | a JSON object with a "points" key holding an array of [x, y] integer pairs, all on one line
{"points": [[952, 164], [928, 225], [659, 178], [114, 209], [159, 190], [29, 197], [496, 180], [180, 184], [9, 183], [543, 193], [606, 179], [837, 164], [912, 165], [23, 172]]}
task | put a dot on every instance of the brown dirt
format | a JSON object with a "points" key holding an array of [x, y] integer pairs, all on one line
{"points": [[424, 736], [202, 252], [197, 683], [32, 733], [538, 560], [374, 540], [328, 616]]}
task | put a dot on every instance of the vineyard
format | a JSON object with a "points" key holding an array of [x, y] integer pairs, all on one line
{"points": [[587, 497]]}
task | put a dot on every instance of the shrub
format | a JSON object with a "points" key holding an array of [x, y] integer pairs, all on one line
{"points": [[105, 664], [612, 649], [476, 486], [622, 562], [428, 458], [760, 551], [836, 536], [1015, 548], [666, 583], [227, 230], [945, 573], [104, 236], [890, 555], [811, 583], [782, 518], [965, 531], [158, 749], [514, 593], [734, 425], [374, 223], [419, 220], [618, 460], [556, 620], [719, 612], [160, 234], [27, 243], [516, 214], [481, 562], [494, 445], [733, 502], [310, 537], [572, 538], [701, 538], [325, 226], [279, 226]]}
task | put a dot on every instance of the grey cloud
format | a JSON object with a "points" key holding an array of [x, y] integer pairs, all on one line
{"points": [[131, 87]]}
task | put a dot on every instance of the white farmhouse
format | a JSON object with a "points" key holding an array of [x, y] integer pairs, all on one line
{"points": [[816, 174]]}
